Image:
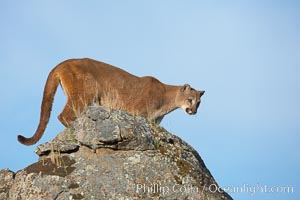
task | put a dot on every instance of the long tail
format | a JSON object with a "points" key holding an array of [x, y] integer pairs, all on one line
{"points": [[48, 97]]}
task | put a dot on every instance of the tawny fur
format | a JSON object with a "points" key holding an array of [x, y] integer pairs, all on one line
{"points": [[86, 81]]}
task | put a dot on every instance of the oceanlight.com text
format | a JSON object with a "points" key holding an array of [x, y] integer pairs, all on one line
{"points": [[251, 189]]}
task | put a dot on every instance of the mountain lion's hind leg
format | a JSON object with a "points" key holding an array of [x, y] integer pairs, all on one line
{"points": [[68, 115]]}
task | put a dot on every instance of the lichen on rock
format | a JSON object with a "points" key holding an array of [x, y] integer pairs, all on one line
{"points": [[113, 155]]}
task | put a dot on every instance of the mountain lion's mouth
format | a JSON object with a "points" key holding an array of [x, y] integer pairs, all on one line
{"points": [[189, 111]]}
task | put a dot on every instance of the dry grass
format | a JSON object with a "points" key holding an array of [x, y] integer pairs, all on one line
{"points": [[111, 99]]}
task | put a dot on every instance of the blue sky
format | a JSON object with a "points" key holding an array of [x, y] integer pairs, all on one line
{"points": [[245, 54]]}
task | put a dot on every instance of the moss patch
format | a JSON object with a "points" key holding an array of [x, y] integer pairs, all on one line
{"points": [[47, 167]]}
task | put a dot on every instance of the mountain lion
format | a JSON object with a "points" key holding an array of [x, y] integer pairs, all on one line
{"points": [[87, 81]]}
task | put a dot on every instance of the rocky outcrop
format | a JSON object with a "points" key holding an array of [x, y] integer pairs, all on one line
{"points": [[112, 155]]}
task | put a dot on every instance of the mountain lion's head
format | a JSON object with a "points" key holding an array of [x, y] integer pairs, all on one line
{"points": [[189, 99]]}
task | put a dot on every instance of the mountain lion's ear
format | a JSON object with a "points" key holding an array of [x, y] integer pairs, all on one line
{"points": [[201, 92], [186, 87]]}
